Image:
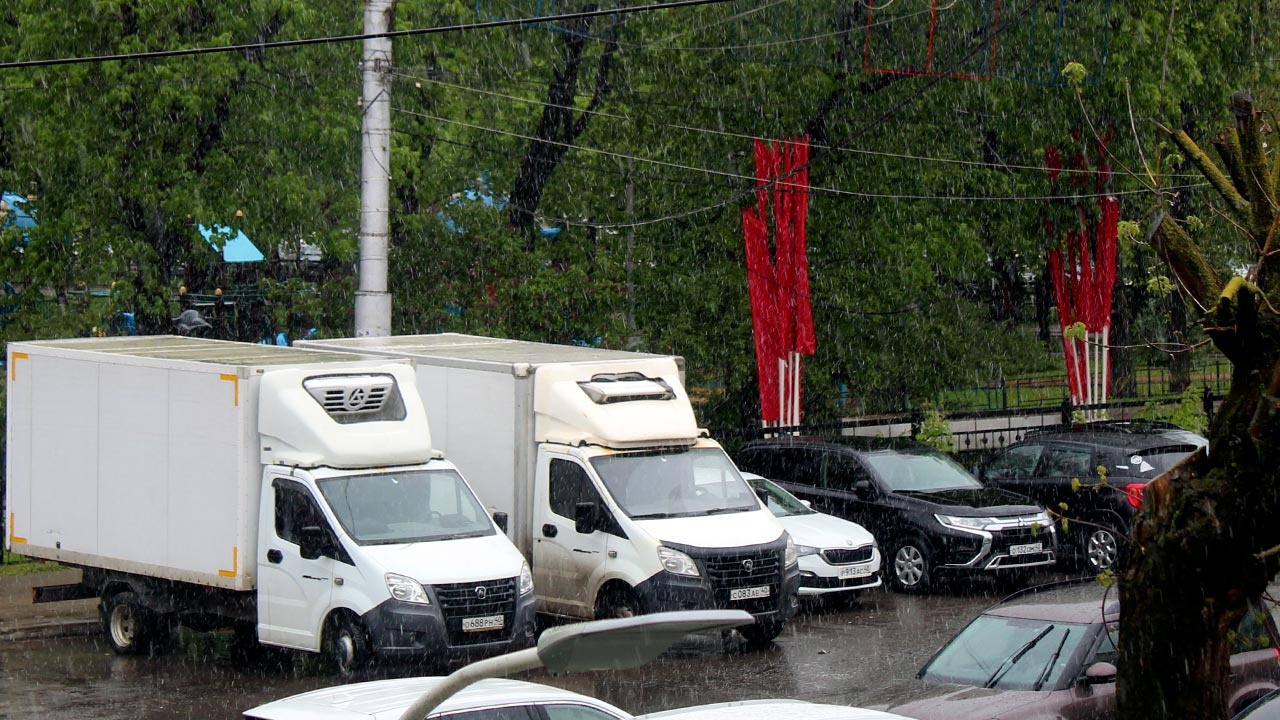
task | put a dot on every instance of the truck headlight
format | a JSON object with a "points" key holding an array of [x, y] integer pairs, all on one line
{"points": [[526, 579], [790, 556], [676, 562], [406, 589]]}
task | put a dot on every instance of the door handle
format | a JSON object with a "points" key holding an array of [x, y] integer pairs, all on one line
{"points": [[275, 556], [549, 530]]}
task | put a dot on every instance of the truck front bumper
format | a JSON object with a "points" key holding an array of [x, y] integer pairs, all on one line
{"points": [[667, 591], [399, 628]]}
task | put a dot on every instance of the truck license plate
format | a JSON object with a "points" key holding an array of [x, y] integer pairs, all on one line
{"points": [[855, 571], [476, 624], [749, 593], [1028, 549]]}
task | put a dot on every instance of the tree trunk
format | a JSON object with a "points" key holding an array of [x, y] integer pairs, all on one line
{"points": [[1205, 541]]}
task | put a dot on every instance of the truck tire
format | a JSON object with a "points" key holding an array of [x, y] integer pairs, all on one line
{"points": [[130, 626], [617, 601], [346, 644], [762, 632]]}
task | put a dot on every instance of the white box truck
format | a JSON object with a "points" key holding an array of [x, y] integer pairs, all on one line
{"points": [[290, 493], [619, 501]]}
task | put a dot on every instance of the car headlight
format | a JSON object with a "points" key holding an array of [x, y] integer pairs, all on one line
{"points": [[792, 555], [676, 562], [526, 579], [406, 589], [1043, 520], [967, 523], [802, 550]]}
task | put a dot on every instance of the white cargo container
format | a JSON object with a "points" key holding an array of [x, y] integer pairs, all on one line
{"points": [[294, 494], [617, 498]]}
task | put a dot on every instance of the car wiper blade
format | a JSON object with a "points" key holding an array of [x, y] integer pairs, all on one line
{"points": [[1048, 666], [653, 516], [1014, 657], [719, 510]]}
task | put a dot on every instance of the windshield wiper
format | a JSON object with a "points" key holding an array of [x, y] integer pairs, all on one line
{"points": [[654, 516], [718, 510], [1013, 658], [1048, 667]]}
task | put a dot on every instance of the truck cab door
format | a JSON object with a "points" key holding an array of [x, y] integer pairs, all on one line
{"points": [[294, 587], [566, 563]]}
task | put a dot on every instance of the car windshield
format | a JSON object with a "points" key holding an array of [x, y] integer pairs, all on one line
{"points": [[416, 506], [1009, 654], [677, 482], [780, 502], [919, 472]]}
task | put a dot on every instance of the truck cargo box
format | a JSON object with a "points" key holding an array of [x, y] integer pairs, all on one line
{"points": [[141, 454]]}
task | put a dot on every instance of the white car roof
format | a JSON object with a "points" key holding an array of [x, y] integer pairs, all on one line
{"points": [[771, 710], [387, 699]]}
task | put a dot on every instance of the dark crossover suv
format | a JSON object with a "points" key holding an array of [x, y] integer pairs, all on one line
{"points": [[1050, 652], [929, 515], [1060, 470]]}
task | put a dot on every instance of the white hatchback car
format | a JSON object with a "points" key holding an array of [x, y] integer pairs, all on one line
{"points": [[836, 556], [516, 700]]}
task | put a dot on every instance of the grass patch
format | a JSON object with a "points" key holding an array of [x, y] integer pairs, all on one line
{"points": [[22, 565]]}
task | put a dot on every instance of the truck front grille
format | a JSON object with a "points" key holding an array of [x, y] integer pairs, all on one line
{"points": [[486, 598], [727, 573]]}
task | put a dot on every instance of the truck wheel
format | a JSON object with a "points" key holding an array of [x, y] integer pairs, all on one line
{"points": [[129, 626], [346, 644], [911, 566], [762, 632], [617, 602]]}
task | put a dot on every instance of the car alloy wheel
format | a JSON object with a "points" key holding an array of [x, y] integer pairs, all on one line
{"points": [[1102, 548], [908, 565]]}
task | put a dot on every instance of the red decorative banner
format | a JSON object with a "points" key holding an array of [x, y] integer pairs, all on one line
{"points": [[779, 281], [1083, 270]]}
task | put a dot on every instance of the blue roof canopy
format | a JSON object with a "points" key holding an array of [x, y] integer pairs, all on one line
{"points": [[236, 248], [18, 213]]}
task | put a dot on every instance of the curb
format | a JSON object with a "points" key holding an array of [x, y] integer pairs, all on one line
{"points": [[44, 631]]}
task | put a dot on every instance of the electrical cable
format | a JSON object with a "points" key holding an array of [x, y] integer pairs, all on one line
{"points": [[245, 47]]}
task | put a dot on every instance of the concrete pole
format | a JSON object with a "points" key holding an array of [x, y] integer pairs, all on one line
{"points": [[373, 301]]}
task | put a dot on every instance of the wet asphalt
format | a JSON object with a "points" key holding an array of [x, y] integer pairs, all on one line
{"points": [[861, 653]]}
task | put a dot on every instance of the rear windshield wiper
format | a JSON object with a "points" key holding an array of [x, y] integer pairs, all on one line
{"points": [[1007, 664]]}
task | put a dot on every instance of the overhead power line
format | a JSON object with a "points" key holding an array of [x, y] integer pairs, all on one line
{"points": [[245, 47]]}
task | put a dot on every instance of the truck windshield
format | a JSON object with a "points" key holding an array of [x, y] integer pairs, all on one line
{"points": [[403, 507], [677, 482]]}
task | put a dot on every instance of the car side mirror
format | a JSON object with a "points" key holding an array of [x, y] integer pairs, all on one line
{"points": [[587, 518], [313, 541], [807, 503], [764, 496], [862, 489], [500, 519], [1100, 673]]}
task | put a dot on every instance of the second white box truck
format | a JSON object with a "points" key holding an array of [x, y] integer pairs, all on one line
{"points": [[292, 494], [620, 503]]}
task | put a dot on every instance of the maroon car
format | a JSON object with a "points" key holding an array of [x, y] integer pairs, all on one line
{"points": [[1051, 652]]}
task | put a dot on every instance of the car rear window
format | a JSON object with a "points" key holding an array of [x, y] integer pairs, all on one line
{"points": [[1153, 462]]}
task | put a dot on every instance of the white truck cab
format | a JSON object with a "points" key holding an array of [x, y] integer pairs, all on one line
{"points": [[620, 502]]}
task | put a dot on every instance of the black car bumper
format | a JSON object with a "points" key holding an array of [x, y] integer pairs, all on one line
{"points": [[961, 551], [666, 591]]}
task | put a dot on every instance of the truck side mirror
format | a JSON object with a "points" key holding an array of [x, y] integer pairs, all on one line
{"points": [[587, 518], [1100, 673], [862, 488], [313, 542], [500, 519]]}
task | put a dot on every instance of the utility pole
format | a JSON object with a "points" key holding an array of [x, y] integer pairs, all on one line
{"points": [[373, 301], [633, 341]]}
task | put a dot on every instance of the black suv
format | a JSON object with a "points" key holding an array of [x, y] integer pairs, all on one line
{"points": [[928, 513], [1059, 469]]}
